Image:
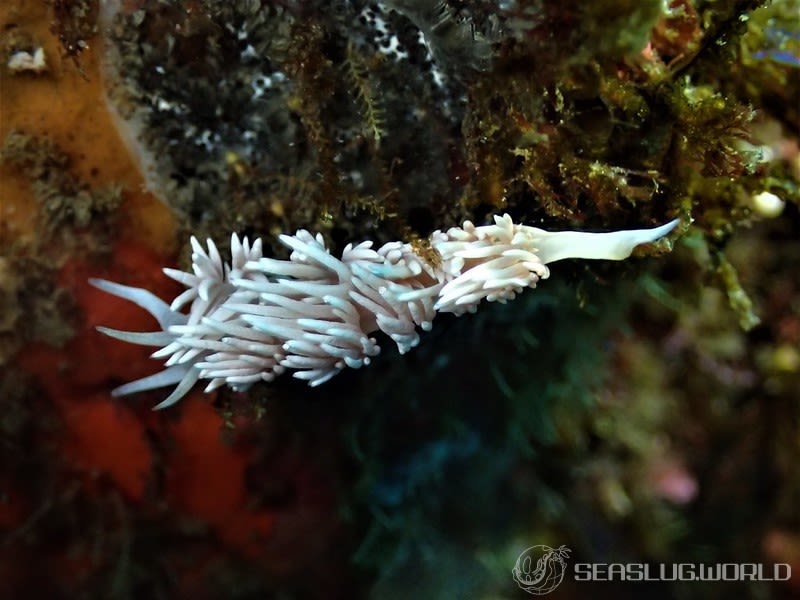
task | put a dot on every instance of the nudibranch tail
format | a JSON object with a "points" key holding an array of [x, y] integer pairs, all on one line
{"points": [[616, 245], [254, 318]]}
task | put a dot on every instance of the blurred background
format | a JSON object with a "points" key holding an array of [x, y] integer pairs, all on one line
{"points": [[645, 411]]}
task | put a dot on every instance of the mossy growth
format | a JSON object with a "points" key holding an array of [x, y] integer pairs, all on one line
{"points": [[73, 217], [74, 22], [35, 309], [66, 202], [366, 121]]}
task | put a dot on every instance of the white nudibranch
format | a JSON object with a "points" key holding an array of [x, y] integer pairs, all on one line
{"points": [[256, 317]]}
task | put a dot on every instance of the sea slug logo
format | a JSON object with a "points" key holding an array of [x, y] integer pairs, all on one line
{"points": [[540, 569]]}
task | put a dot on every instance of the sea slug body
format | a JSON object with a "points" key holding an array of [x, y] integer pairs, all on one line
{"points": [[314, 313]]}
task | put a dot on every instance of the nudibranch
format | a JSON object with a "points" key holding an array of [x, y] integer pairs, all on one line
{"points": [[255, 317]]}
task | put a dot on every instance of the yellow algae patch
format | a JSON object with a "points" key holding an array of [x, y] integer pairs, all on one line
{"points": [[65, 103]]}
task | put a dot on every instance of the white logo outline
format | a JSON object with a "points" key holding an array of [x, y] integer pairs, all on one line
{"points": [[548, 572]]}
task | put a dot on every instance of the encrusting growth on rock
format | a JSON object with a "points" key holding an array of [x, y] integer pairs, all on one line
{"points": [[256, 317]]}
